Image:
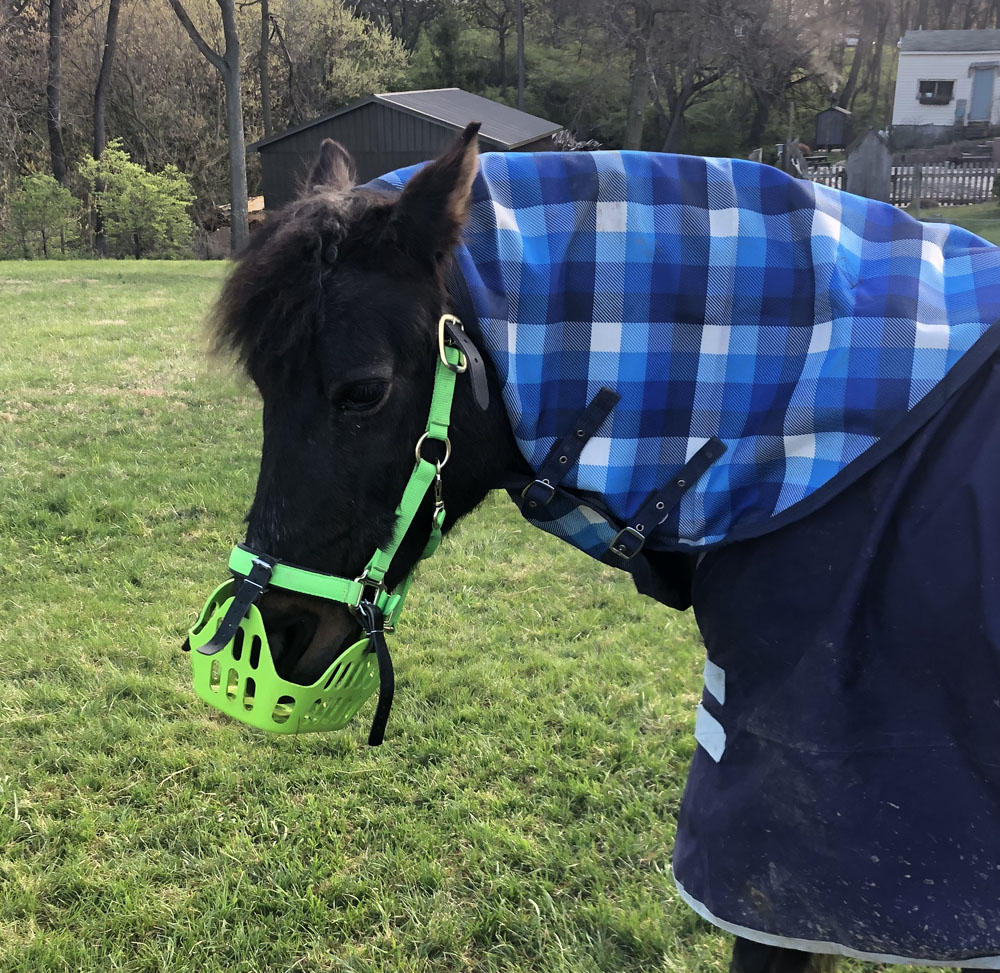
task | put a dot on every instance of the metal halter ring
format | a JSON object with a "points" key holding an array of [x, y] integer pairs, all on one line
{"points": [[447, 451]]}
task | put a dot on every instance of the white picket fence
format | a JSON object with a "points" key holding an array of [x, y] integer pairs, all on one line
{"points": [[835, 176], [945, 184]]}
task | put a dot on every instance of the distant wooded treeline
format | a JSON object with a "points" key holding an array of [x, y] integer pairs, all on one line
{"points": [[186, 82]]}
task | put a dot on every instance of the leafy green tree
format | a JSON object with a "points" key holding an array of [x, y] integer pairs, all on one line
{"points": [[327, 57], [41, 211], [145, 213]]}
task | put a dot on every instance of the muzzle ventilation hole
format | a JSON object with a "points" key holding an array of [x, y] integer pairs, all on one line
{"points": [[283, 709], [238, 645], [337, 672]]}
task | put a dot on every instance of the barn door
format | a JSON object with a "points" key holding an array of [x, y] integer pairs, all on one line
{"points": [[981, 102]]}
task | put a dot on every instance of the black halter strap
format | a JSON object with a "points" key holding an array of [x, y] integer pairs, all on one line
{"points": [[465, 311], [371, 619]]}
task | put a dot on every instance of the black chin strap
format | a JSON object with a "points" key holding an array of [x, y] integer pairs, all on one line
{"points": [[371, 620]]}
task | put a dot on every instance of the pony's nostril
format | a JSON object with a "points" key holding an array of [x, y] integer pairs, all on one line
{"points": [[305, 634], [289, 638]]}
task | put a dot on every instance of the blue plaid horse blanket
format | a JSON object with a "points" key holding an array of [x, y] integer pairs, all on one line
{"points": [[765, 350], [806, 330]]}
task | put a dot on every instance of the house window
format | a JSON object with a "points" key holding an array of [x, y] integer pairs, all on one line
{"points": [[936, 92]]}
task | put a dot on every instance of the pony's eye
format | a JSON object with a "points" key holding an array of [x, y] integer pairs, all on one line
{"points": [[362, 396]]}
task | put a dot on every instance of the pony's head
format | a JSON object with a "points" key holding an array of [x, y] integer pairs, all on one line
{"points": [[333, 312]]}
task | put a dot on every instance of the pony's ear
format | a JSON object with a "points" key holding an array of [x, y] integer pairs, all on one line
{"points": [[334, 167], [434, 204]]}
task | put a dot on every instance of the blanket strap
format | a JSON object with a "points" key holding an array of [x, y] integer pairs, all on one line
{"points": [[566, 450], [657, 506]]}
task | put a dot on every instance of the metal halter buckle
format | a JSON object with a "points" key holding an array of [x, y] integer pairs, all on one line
{"points": [[370, 590], [443, 322]]}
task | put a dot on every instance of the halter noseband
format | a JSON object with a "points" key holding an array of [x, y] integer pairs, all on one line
{"points": [[232, 665]]}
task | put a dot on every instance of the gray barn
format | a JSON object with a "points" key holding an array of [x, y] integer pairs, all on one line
{"points": [[388, 131]]}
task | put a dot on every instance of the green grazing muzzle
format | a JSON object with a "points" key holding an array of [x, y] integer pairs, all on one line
{"points": [[233, 666], [231, 658], [240, 679]]}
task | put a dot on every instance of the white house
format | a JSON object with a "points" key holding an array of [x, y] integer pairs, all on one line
{"points": [[945, 85]]}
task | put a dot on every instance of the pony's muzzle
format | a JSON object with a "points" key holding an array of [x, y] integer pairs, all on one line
{"points": [[330, 668], [305, 634]]}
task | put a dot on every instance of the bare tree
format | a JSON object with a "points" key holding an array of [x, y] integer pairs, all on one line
{"points": [[403, 18], [519, 21], [691, 54], [53, 92], [866, 36], [263, 68], [100, 113], [637, 35], [228, 65], [498, 16]]}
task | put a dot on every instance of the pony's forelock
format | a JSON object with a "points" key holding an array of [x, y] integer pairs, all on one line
{"points": [[271, 302]]}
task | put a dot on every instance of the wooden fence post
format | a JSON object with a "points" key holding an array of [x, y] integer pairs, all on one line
{"points": [[918, 179]]}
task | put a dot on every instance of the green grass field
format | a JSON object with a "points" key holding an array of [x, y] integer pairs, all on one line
{"points": [[521, 812], [982, 219]]}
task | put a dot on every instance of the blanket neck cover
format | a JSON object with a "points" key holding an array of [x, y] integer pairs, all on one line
{"points": [[810, 330]]}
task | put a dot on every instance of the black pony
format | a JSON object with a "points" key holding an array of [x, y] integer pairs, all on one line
{"points": [[846, 796]]}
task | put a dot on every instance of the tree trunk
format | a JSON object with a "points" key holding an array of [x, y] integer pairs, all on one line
{"points": [[761, 115], [240, 231], [297, 114], [675, 132], [502, 41], [678, 103], [876, 68], [638, 97], [519, 15], [265, 74], [100, 106], [228, 66], [846, 96], [53, 92]]}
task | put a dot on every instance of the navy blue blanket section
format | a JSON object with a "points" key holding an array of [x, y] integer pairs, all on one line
{"points": [[809, 330], [845, 796]]}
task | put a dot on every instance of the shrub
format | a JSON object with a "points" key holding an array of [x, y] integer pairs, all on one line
{"points": [[43, 214], [145, 214]]}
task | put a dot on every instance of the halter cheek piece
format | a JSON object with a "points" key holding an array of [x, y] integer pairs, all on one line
{"points": [[232, 664]]}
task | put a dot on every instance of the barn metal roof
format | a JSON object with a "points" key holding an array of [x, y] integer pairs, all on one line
{"points": [[954, 41], [454, 108]]}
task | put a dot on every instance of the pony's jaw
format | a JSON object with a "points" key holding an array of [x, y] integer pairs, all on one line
{"points": [[306, 634]]}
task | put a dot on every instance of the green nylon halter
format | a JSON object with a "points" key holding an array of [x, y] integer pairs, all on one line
{"points": [[425, 474], [231, 661]]}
